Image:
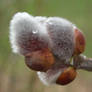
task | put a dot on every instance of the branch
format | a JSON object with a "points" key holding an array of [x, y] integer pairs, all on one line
{"points": [[82, 62]]}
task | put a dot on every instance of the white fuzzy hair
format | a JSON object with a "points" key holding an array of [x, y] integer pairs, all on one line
{"points": [[41, 19], [48, 78], [62, 35], [14, 26], [58, 32], [21, 24], [61, 31]]}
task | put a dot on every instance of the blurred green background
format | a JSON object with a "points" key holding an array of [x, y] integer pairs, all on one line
{"points": [[14, 75]]}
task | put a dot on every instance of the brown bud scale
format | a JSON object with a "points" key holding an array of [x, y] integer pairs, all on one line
{"points": [[67, 76], [79, 42], [40, 60]]}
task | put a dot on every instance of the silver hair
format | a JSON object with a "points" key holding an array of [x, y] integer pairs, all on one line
{"points": [[23, 28], [61, 32]]}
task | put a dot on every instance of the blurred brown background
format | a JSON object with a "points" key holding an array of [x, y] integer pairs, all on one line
{"points": [[14, 75]]}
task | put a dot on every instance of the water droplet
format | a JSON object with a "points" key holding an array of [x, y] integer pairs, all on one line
{"points": [[35, 31]]}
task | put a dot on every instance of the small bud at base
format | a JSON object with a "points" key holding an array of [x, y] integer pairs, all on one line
{"points": [[67, 76], [79, 42]]}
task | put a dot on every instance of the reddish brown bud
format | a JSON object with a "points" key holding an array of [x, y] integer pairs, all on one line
{"points": [[40, 60], [79, 42], [67, 76]]}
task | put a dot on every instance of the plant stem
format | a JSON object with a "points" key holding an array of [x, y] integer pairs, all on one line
{"points": [[82, 62]]}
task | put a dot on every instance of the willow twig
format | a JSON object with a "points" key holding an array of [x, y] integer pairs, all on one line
{"points": [[82, 62]]}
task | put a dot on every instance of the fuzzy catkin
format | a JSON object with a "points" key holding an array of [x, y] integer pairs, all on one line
{"points": [[26, 34], [29, 34], [61, 33]]}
